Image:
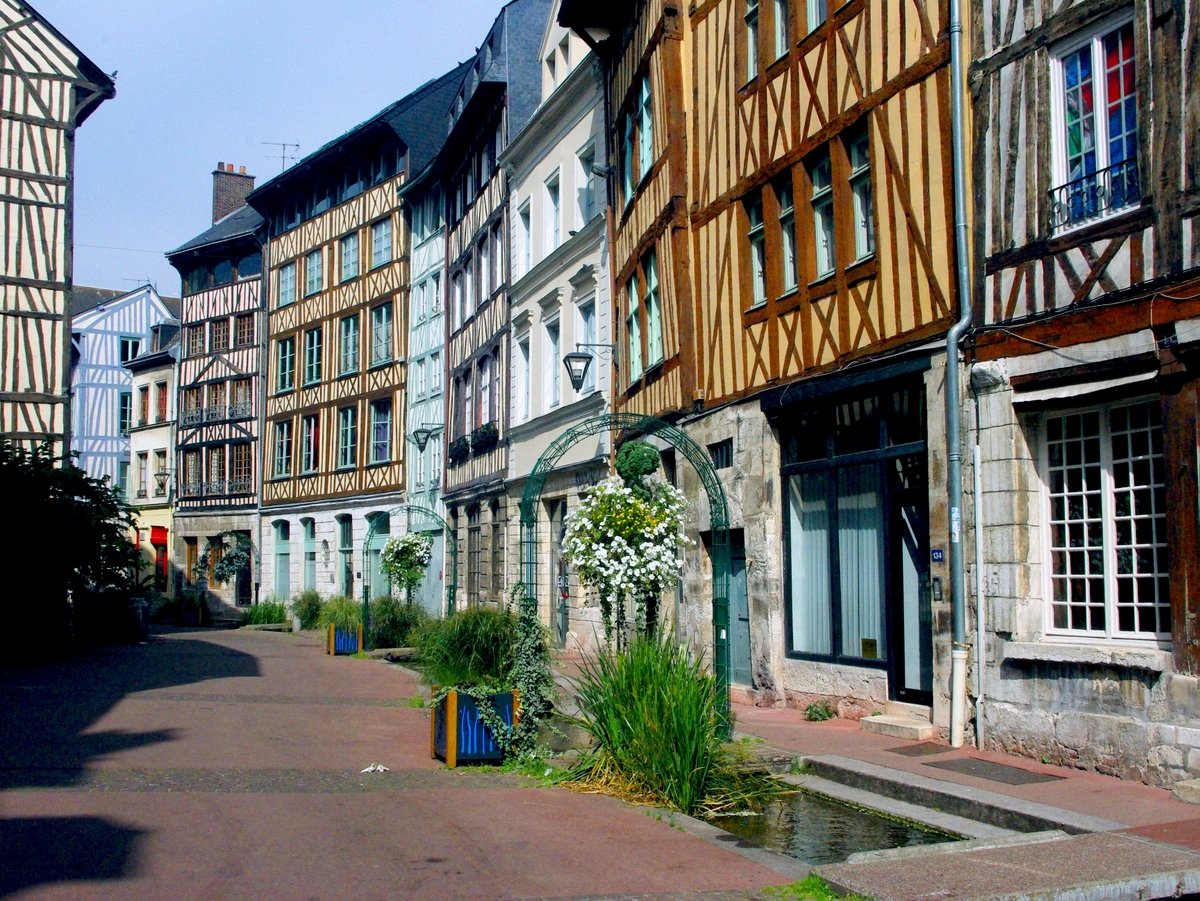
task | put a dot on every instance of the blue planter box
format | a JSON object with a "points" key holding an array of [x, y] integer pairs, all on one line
{"points": [[341, 641], [459, 735]]}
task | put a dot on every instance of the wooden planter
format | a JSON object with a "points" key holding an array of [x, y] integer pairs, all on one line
{"points": [[459, 735], [341, 641]]}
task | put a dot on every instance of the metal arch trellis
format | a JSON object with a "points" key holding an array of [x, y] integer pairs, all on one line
{"points": [[636, 424], [408, 510]]}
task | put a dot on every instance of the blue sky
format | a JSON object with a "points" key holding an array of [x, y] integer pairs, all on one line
{"points": [[202, 81]]}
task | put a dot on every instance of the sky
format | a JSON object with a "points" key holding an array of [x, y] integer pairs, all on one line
{"points": [[207, 81]]}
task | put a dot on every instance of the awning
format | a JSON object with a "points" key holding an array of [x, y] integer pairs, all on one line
{"points": [[158, 535], [1079, 389]]}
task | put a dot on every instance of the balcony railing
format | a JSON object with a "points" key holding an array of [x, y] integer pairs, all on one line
{"points": [[243, 410], [192, 417], [215, 413], [1095, 195], [240, 486], [214, 486], [189, 489], [141, 492]]}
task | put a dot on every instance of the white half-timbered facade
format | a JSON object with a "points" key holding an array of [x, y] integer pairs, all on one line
{"points": [[47, 90]]}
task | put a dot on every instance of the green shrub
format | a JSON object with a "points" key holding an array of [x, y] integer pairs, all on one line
{"points": [[470, 646], [263, 613], [393, 622], [819, 711], [342, 613], [307, 607], [653, 711]]}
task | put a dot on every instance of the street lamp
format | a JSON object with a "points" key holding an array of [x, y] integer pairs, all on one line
{"points": [[421, 437], [161, 478], [577, 362]]}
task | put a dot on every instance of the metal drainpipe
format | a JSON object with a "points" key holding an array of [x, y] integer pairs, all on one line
{"points": [[958, 654]]}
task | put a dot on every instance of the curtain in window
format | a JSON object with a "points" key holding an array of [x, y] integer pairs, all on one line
{"points": [[809, 552], [860, 548]]}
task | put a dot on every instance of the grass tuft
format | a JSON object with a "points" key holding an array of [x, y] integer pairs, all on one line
{"points": [[307, 607], [263, 613], [469, 647], [342, 612], [810, 888], [819, 711]]}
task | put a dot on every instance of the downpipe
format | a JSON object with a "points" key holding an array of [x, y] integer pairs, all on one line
{"points": [[958, 654]]}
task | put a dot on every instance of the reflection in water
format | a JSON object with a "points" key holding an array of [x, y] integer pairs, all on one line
{"points": [[818, 831]]}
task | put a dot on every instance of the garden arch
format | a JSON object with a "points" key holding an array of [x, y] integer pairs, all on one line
{"points": [[448, 538], [634, 425]]}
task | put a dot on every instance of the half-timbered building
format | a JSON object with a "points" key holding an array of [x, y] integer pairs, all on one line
{"points": [[47, 90], [497, 96], [559, 304], [215, 468], [782, 263], [1087, 315], [106, 333], [333, 456]]}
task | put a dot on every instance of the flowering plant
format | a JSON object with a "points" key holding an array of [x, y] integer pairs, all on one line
{"points": [[404, 559], [623, 540]]}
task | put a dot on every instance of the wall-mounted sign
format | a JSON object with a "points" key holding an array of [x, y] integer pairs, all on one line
{"points": [[938, 555]]}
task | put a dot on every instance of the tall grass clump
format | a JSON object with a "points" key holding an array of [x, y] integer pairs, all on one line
{"points": [[393, 622], [307, 608], [263, 613], [342, 613], [471, 646], [653, 711]]}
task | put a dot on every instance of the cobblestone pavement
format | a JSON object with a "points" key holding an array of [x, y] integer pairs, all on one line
{"points": [[226, 765]]}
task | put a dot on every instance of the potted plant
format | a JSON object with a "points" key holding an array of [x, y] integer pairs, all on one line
{"points": [[341, 617], [485, 437], [459, 450]]}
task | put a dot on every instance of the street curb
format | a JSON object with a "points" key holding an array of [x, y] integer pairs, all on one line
{"points": [[966, 801]]}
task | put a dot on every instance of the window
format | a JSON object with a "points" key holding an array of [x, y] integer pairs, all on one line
{"points": [[474, 556], [285, 357], [216, 471], [1094, 122], [551, 72], [523, 379], [195, 335], [143, 474], [419, 377], [191, 473], [283, 559], [160, 392], [751, 17], [820, 175], [420, 301], [123, 478], [245, 330], [468, 406], [310, 448], [242, 397], [130, 347], [346, 552], [287, 284], [553, 214], [485, 391], [125, 413], [347, 437], [381, 431], [420, 467], [787, 231], [721, 454], [633, 326], [160, 466], [497, 548], [191, 559], [1105, 483], [313, 273], [349, 345], [645, 129], [816, 14], [381, 243], [526, 239], [758, 251], [435, 459], [553, 362], [143, 404], [783, 38], [435, 371], [587, 180], [587, 335], [627, 161], [250, 266], [436, 294], [192, 402], [310, 554], [458, 311], [381, 334], [312, 356], [654, 332], [350, 257], [220, 335], [483, 254], [216, 399], [858, 149], [242, 475]]}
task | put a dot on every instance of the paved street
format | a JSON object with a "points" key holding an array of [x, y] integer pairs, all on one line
{"points": [[225, 765]]}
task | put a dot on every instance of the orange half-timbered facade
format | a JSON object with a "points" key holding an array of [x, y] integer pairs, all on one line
{"points": [[783, 266], [334, 449]]}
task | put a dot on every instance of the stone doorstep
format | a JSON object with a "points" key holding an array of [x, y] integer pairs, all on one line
{"points": [[903, 726], [1188, 790], [900, 708], [1095, 867]]}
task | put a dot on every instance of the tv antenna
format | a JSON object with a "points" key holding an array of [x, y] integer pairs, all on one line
{"points": [[284, 156]]}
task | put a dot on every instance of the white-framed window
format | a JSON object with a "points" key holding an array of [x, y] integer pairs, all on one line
{"points": [[347, 437], [313, 272], [816, 14], [349, 344], [381, 243], [627, 181], [587, 184], [457, 311], [130, 348], [645, 128], [381, 334], [419, 377], [821, 176], [1094, 126], [435, 459], [469, 288], [654, 330], [381, 431], [486, 287], [435, 294], [283, 448], [553, 213], [350, 257], [523, 379], [1105, 505], [526, 238], [125, 413], [497, 257], [287, 284], [420, 301], [783, 40], [435, 372], [633, 329], [758, 252], [312, 356], [858, 149], [285, 363], [551, 364], [421, 465], [587, 335], [787, 232], [311, 446], [751, 17]]}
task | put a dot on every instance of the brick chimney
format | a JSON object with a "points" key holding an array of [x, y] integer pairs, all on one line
{"points": [[229, 190]]}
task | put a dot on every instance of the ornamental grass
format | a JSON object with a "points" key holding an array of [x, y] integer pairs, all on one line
{"points": [[394, 622], [264, 613], [342, 613], [471, 646], [653, 712]]}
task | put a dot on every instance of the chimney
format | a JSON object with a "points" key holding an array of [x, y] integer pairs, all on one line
{"points": [[229, 190]]}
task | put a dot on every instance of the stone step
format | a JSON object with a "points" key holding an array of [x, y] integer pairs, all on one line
{"points": [[906, 727], [900, 708]]}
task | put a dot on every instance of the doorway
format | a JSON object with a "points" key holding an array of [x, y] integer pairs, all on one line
{"points": [[560, 581], [911, 608], [741, 671]]}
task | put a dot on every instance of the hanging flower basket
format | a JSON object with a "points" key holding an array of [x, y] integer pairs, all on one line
{"points": [[459, 450], [458, 732], [484, 438]]}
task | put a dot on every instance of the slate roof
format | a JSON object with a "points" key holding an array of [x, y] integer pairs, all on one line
{"points": [[84, 299], [241, 223]]}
